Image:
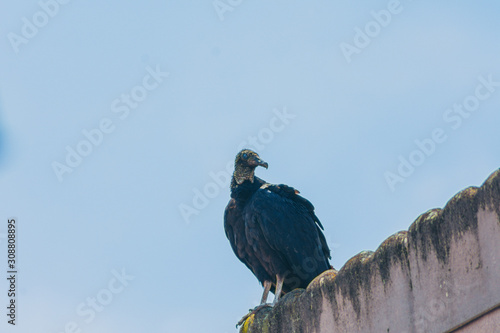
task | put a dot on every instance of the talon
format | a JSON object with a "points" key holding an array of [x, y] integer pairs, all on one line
{"points": [[253, 312]]}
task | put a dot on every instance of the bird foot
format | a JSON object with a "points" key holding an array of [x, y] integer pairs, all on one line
{"points": [[254, 311]]}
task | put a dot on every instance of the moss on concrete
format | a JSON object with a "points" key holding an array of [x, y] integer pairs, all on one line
{"points": [[394, 250], [489, 195]]}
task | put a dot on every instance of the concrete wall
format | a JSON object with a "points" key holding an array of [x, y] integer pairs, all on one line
{"points": [[442, 275]]}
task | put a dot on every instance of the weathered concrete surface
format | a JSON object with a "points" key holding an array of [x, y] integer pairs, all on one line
{"points": [[435, 277], [487, 322]]}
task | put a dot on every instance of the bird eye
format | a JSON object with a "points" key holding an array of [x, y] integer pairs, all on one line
{"points": [[245, 155]]}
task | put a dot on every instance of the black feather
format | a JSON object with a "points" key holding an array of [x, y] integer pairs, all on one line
{"points": [[274, 231]]}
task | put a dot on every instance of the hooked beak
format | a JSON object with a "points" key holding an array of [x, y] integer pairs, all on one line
{"points": [[263, 164], [258, 162]]}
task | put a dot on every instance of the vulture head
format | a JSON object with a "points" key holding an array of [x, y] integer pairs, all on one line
{"points": [[244, 165]]}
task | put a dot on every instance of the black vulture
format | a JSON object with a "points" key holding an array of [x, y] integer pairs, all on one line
{"points": [[273, 231]]}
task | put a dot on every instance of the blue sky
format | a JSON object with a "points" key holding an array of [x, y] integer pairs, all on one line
{"points": [[168, 91]]}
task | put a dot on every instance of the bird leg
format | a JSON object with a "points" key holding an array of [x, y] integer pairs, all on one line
{"points": [[267, 287], [263, 304], [279, 287]]}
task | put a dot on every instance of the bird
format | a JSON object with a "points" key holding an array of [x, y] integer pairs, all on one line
{"points": [[273, 231]]}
